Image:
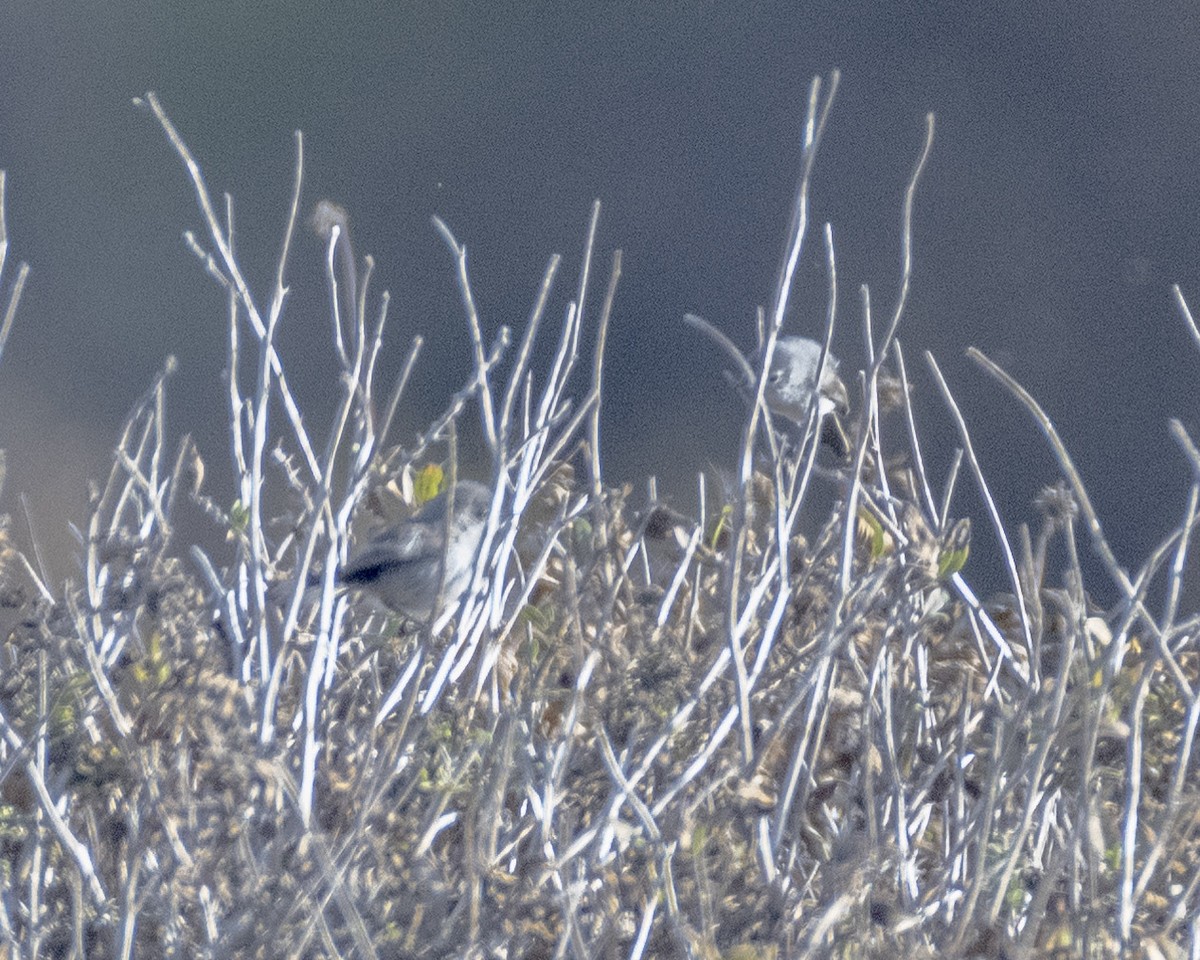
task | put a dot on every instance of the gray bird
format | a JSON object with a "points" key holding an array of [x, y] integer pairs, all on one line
{"points": [[402, 565], [792, 380]]}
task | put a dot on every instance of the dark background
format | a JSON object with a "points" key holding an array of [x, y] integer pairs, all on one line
{"points": [[1059, 206]]}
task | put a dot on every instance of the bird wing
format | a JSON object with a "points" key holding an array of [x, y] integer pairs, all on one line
{"points": [[411, 543]]}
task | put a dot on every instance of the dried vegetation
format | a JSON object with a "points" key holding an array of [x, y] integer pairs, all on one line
{"points": [[641, 735]]}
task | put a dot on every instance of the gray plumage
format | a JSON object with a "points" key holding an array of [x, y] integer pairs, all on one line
{"points": [[791, 381], [402, 565], [793, 378]]}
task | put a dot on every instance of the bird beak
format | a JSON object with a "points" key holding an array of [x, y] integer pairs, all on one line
{"points": [[833, 390]]}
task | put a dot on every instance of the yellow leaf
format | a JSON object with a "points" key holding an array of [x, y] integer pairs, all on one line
{"points": [[955, 549], [721, 527], [430, 480], [871, 532]]}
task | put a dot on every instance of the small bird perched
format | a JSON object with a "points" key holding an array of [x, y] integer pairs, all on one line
{"points": [[402, 565], [792, 380]]}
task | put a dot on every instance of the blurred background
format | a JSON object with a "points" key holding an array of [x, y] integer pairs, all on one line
{"points": [[1059, 205]]}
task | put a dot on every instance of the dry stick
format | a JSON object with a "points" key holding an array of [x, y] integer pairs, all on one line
{"points": [[135, 480], [1116, 571], [1137, 603], [596, 485], [385, 301], [529, 478], [873, 418], [525, 460], [626, 789], [1190, 451], [949, 488], [566, 514], [1132, 593], [354, 388], [1163, 833], [816, 688], [359, 472], [349, 266], [786, 516], [993, 511], [585, 269], [1179, 564], [148, 486], [1185, 443], [1133, 794], [745, 378], [562, 366], [806, 464], [745, 371], [14, 296], [37, 865], [796, 234], [1078, 849], [331, 875], [3, 225], [258, 539], [906, 240], [1183, 766], [585, 273], [535, 458], [550, 455], [112, 502], [813, 688], [550, 404], [486, 405], [532, 326], [185, 454], [891, 764], [910, 194], [798, 228], [451, 495], [360, 377], [983, 832], [869, 391], [38, 579], [814, 129], [529, 458], [269, 362], [1033, 775], [237, 407], [324, 650], [649, 908], [911, 423], [1181, 303], [398, 390], [470, 615], [335, 234], [559, 761], [457, 402], [235, 273], [476, 619], [62, 830], [155, 491]]}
